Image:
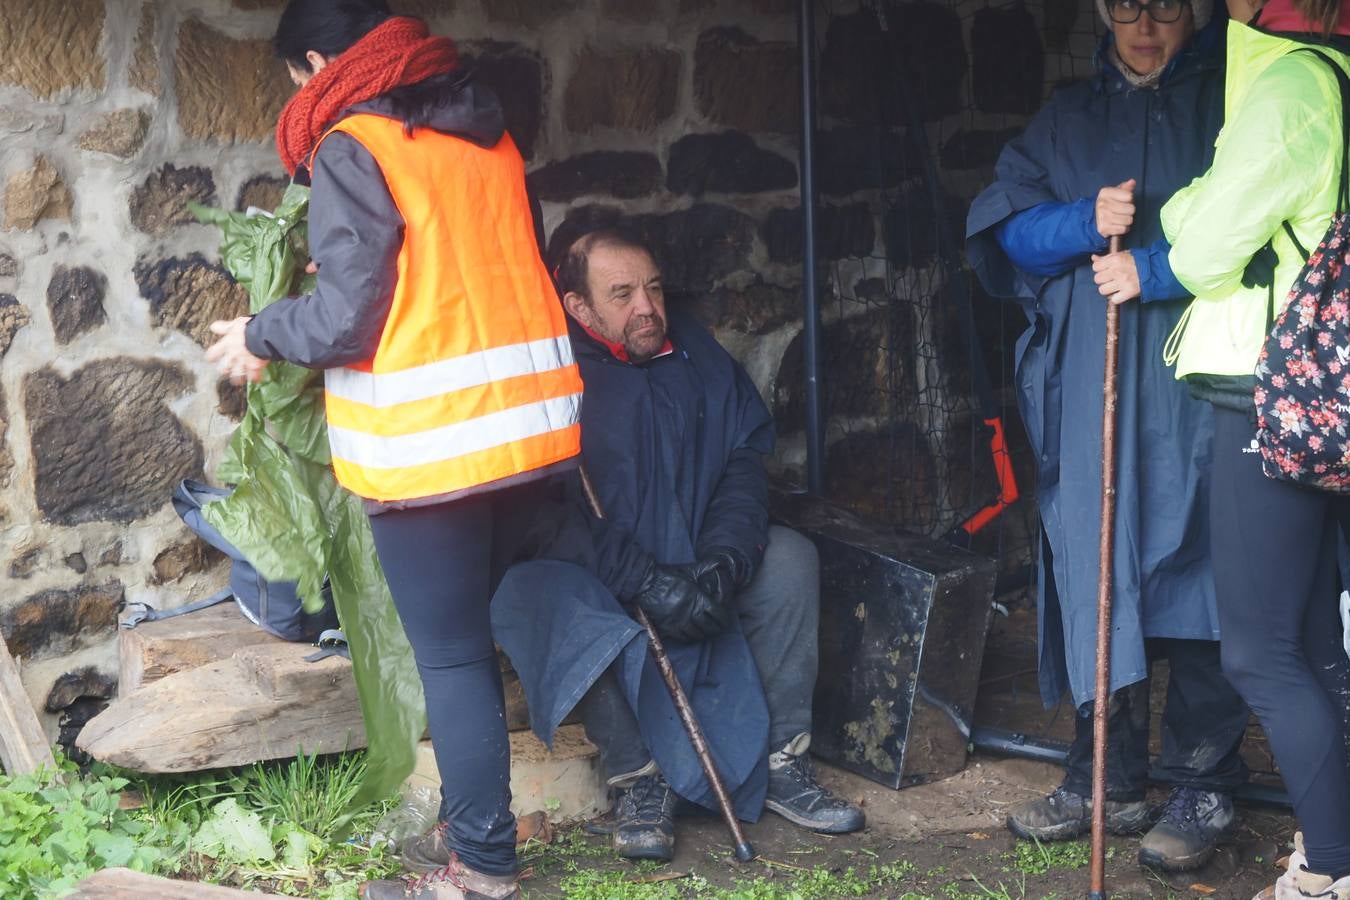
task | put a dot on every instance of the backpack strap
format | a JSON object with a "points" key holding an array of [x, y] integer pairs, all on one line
{"points": [[147, 613], [330, 643]]}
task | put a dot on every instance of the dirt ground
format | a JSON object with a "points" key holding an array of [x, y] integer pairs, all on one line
{"points": [[949, 839]]}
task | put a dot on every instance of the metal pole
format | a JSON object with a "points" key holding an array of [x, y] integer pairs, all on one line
{"points": [[815, 421], [1101, 703]]}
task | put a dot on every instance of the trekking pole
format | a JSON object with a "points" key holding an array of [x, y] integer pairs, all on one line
{"points": [[744, 852], [1102, 697]]}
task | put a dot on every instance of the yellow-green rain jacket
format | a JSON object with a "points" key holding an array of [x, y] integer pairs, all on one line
{"points": [[1277, 159]]}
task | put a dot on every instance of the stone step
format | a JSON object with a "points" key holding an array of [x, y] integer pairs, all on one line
{"points": [[566, 782]]}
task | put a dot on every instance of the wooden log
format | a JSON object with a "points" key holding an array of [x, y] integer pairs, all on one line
{"points": [[117, 884], [23, 743], [152, 650], [264, 702]]}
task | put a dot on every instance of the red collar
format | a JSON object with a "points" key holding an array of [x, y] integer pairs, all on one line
{"points": [[1280, 16], [619, 351]]}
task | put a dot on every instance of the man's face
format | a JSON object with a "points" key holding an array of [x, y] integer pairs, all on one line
{"points": [[627, 305], [1146, 45]]}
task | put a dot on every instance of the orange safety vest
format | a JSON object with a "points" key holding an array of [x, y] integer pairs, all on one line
{"points": [[474, 380]]}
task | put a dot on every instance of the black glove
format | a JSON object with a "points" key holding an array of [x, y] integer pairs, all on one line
{"points": [[719, 575], [678, 608]]}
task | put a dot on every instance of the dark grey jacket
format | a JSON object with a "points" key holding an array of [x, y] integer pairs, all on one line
{"points": [[355, 235]]}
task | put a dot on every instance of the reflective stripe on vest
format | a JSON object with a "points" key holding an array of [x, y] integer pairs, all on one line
{"points": [[474, 380]]}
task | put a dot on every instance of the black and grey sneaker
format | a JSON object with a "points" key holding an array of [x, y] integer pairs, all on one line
{"points": [[795, 795], [644, 819], [1063, 815], [1192, 824]]}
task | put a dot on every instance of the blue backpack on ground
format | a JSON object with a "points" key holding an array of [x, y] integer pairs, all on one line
{"points": [[273, 606]]}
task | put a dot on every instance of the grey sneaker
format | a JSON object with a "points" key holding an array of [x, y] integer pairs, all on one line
{"points": [[644, 820], [795, 795], [451, 882], [1190, 828], [1063, 815]]}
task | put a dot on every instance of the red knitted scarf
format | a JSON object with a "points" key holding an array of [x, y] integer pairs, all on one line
{"points": [[398, 52]]}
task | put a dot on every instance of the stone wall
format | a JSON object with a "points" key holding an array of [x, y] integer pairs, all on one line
{"points": [[682, 113]]}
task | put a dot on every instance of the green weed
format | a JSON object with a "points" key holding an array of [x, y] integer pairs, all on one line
{"points": [[1035, 858]]}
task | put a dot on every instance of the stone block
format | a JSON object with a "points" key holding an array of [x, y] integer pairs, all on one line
{"points": [[229, 90], [631, 89], [50, 47], [850, 159], [865, 368], [9, 266], [262, 191], [528, 13], [183, 559], [621, 174], [1008, 72], [841, 232], [756, 309], [233, 399], [76, 563], [975, 148], [566, 781], [911, 227], [145, 72], [13, 316], [160, 202], [519, 78], [119, 133], [728, 163], [55, 622], [6, 458], [855, 51], [105, 445], [75, 301], [188, 293], [84, 682], [27, 560], [929, 44], [37, 194], [39, 124], [744, 84]]}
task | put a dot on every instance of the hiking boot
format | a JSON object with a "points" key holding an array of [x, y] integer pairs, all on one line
{"points": [[795, 794], [1190, 828], [454, 881], [644, 819], [430, 851], [1063, 815], [1299, 884]]}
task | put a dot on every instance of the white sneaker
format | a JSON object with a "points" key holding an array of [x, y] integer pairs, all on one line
{"points": [[1299, 884]]}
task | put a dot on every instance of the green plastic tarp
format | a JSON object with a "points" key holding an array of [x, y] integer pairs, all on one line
{"points": [[289, 516]]}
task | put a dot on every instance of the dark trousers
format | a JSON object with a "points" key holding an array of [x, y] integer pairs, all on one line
{"points": [[437, 560], [780, 617], [1202, 728], [1274, 551]]}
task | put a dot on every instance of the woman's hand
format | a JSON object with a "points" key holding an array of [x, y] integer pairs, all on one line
{"points": [[1114, 209], [230, 353], [1117, 276]]}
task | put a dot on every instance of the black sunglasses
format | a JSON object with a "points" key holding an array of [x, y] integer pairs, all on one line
{"points": [[1125, 12]]}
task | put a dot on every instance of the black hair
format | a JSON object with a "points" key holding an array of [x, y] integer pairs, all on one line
{"points": [[329, 27], [571, 269]]}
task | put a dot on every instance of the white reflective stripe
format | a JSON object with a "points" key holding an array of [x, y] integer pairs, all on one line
{"points": [[451, 441], [433, 379]]}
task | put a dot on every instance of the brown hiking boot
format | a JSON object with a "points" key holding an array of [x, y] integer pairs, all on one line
{"points": [[1063, 815], [451, 882], [429, 851]]}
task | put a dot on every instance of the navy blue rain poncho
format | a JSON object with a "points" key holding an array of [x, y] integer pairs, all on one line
{"points": [[1093, 134], [674, 450]]}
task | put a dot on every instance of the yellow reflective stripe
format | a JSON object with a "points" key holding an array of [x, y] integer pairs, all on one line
{"points": [[385, 389], [460, 439]]}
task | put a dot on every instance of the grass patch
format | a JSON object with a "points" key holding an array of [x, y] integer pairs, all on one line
{"points": [[1036, 858]]}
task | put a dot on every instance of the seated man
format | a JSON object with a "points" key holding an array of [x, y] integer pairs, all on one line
{"points": [[674, 435]]}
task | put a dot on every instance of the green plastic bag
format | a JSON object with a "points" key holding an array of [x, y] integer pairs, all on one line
{"points": [[290, 517]]}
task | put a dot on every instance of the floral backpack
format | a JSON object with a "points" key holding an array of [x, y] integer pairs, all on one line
{"points": [[1303, 374]]}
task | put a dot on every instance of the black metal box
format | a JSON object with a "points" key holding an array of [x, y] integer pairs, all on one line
{"points": [[902, 631]]}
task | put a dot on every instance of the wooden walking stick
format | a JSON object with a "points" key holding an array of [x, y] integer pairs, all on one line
{"points": [[1102, 696], [744, 851]]}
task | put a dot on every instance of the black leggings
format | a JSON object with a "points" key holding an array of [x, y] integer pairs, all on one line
{"points": [[1274, 554], [437, 562]]}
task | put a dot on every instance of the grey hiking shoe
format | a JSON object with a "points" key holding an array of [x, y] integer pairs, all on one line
{"points": [[455, 881], [644, 819], [795, 794], [1063, 815], [427, 852], [1190, 828]]}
